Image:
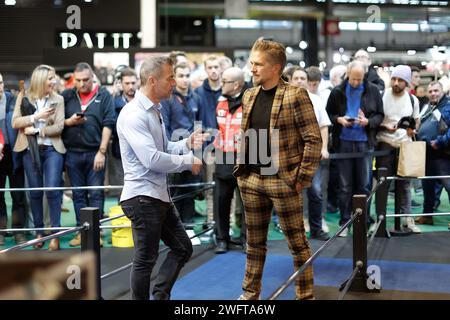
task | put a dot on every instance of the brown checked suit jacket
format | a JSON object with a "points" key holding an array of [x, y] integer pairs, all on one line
{"points": [[295, 135]]}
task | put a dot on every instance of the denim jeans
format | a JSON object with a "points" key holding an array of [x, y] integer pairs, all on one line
{"points": [[354, 175], [80, 168], [153, 220], [315, 198], [434, 167], [51, 166]]}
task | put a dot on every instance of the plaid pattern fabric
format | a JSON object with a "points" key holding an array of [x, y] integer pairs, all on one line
{"points": [[295, 151], [259, 194], [297, 144]]}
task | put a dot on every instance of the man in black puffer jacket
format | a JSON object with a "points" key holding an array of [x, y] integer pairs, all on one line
{"points": [[355, 109]]}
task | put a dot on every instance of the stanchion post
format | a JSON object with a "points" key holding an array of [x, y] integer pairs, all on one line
{"points": [[382, 231], [359, 283], [90, 240]]}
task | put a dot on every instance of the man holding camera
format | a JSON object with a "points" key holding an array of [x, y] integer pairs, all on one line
{"points": [[398, 103]]}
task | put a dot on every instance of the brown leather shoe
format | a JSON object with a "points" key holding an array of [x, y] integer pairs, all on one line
{"points": [[425, 220], [39, 245], [76, 241], [53, 245]]}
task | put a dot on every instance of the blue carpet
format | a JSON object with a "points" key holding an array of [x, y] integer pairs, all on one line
{"points": [[221, 277]]}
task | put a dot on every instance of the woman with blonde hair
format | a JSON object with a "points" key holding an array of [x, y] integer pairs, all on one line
{"points": [[39, 114]]}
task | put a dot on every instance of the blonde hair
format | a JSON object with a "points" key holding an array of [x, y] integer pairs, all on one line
{"points": [[211, 58], [275, 51], [38, 81]]}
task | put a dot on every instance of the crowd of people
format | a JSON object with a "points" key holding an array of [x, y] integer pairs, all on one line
{"points": [[53, 135]]}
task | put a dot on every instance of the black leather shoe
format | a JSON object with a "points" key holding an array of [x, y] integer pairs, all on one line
{"points": [[244, 244], [236, 241], [321, 235], [221, 247]]}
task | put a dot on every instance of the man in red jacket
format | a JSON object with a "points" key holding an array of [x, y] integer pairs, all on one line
{"points": [[229, 117]]}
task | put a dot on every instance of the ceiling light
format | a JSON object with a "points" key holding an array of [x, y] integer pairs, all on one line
{"points": [[303, 45]]}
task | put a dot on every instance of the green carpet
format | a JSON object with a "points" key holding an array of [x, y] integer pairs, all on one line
{"points": [[332, 219]]}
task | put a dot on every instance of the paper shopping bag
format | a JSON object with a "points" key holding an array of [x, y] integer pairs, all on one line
{"points": [[411, 161]]}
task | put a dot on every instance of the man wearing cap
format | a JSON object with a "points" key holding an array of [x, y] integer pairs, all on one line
{"points": [[398, 104]]}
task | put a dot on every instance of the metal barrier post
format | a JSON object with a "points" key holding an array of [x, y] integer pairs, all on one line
{"points": [[90, 240], [359, 283], [382, 231]]}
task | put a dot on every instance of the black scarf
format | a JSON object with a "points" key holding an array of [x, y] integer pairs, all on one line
{"points": [[28, 109], [235, 102]]}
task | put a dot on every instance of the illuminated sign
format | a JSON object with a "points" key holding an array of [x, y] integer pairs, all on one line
{"points": [[98, 40]]}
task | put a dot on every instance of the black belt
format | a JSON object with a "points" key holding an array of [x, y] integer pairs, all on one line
{"points": [[43, 147], [255, 168]]}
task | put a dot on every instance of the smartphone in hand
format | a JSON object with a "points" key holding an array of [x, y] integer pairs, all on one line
{"points": [[351, 120], [52, 106], [80, 114]]}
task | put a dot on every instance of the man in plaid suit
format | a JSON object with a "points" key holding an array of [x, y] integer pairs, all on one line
{"points": [[278, 156]]}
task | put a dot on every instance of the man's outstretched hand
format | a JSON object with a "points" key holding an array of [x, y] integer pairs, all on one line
{"points": [[197, 138]]}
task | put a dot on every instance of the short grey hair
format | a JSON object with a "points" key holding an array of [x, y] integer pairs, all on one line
{"points": [[81, 66], [237, 75], [337, 71], [153, 67], [356, 64], [432, 83]]}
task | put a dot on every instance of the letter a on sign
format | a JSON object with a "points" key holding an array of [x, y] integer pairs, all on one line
{"points": [[74, 20]]}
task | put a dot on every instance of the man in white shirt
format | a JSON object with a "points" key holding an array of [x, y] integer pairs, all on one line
{"points": [[147, 157], [317, 224], [397, 103]]}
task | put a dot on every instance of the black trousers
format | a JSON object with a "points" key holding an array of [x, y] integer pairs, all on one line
{"points": [[16, 180], [153, 220], [186, 206], [223, 194]]}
